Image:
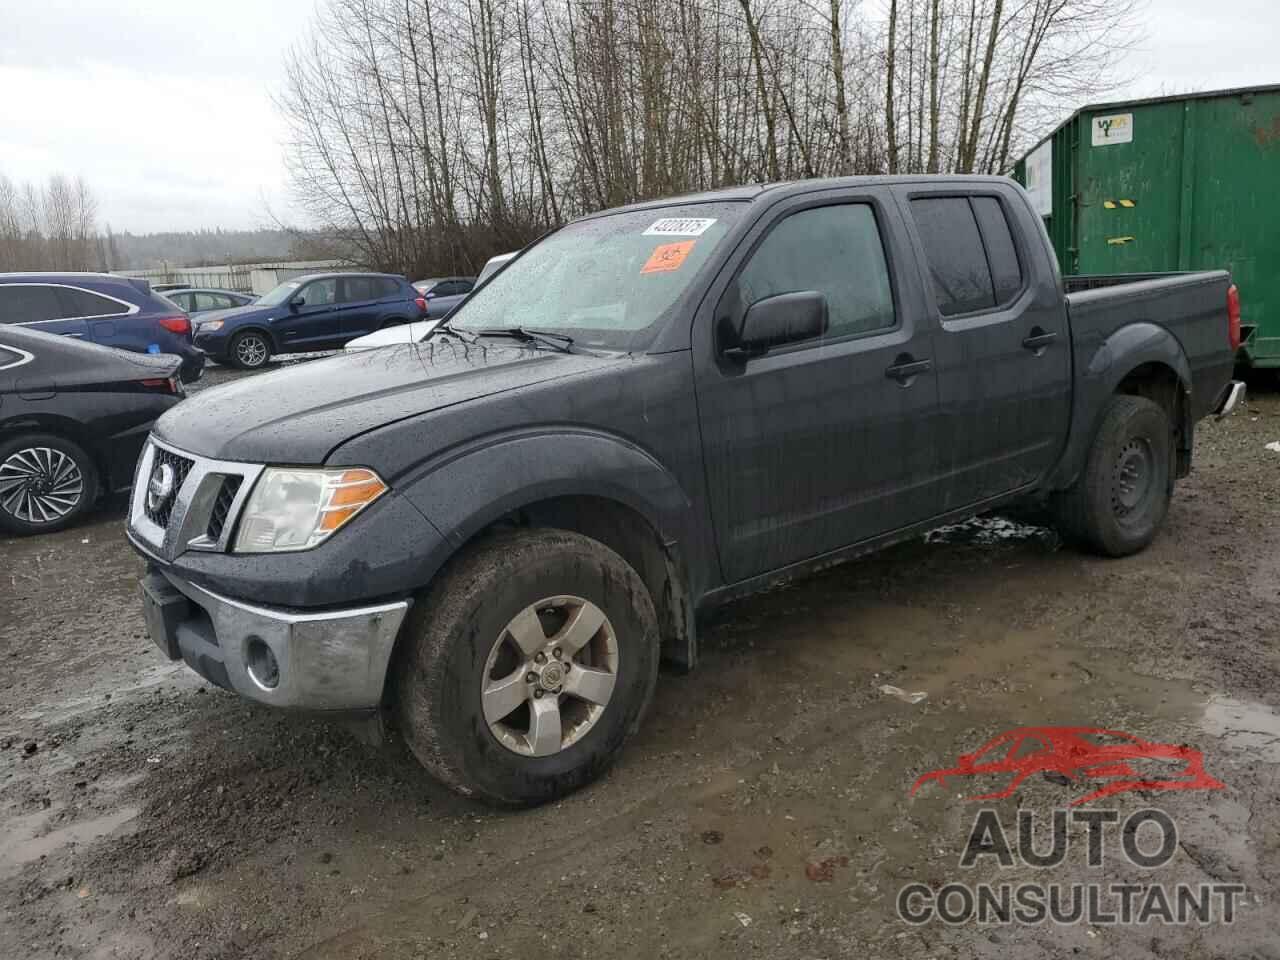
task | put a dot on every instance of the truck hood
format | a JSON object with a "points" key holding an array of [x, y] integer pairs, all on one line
{"points": [[300, 414]]}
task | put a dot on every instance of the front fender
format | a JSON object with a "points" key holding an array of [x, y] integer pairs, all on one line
{"points": [[1100, 369], [491, 477]]}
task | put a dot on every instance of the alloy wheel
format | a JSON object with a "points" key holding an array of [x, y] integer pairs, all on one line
{"points": [[549, 676], [40, 484], [251, 350]]}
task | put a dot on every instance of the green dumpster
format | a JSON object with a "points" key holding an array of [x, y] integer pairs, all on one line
{"points": [[1171, 183]]}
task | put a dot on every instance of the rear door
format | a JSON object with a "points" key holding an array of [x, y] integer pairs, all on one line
{"points": [[39, 306], [360, 310], [1001, 343], [820, 444], [100, 314], [314, 325]]}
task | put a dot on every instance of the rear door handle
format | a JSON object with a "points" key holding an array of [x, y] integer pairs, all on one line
{"points": [[1039, 339], [905, 368]]}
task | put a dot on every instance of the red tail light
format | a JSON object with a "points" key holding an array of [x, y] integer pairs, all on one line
{"points": [[422, 305], [176, 324], [1233, 316], [167, 384]]}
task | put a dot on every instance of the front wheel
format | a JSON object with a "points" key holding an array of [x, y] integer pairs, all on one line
{"points": [[249, 350], [526, 667], [1118, 503], [46, 483]]}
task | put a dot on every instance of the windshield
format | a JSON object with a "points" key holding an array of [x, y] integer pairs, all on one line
{"points": [[279, 294], [606, 281]]}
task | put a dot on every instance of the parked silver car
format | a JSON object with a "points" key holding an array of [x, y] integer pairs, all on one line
{"points": [[203, 299]]}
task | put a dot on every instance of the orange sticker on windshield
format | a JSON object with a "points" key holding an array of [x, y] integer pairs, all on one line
{"points": [[667, 257]]}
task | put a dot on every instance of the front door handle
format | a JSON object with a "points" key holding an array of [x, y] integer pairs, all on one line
{"points": [[905, 368], [1039, 339]]}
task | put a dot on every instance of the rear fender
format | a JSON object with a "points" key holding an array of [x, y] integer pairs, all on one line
{"points": [[1098, 377]]}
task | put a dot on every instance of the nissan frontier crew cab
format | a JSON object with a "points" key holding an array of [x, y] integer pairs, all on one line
{"points": [[497, 533]]}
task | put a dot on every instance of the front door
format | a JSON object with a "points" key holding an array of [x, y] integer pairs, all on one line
{"points": [[1001, 343], [827, 442], [313, 325]]}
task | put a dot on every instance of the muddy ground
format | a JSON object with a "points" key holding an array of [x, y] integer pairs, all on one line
{"points": [[762, 810]]}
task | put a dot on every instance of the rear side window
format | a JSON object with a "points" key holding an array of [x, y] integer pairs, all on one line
{"points": [[956, 259], [356, 289], [388, 287], [1002, 253], [834, 250], [28, 303], [82, 303]]}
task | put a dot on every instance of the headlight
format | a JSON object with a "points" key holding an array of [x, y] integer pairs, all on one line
{"points": [[209, 326], [295, 509]]}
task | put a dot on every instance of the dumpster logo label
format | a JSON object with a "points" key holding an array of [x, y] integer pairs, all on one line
{"points": [[1117, 128], [1073, 755]]}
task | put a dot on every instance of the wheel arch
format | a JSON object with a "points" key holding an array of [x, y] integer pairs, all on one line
{"points": [[1140, 359], [252, 328], [597, 485]]}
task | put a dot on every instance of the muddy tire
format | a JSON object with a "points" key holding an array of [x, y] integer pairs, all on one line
{"points": [[1118, 503], [526, 666], [47, 483]]}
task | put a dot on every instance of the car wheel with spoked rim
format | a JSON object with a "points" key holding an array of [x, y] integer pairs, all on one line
{"points": [[46, 483], [249, 350], [526, 666]]}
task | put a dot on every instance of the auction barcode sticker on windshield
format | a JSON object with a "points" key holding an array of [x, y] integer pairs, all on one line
{"points": [[679, 227]]}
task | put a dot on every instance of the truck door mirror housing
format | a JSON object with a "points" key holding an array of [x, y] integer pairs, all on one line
{"points": [[774, 321]]}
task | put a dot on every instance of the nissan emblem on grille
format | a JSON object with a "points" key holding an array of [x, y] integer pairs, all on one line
{"points": [[160, 489]]}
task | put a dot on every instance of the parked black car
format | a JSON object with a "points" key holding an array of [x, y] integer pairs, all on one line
{"points": [[315, 312], [651, 411], [73, 417], [123, 312]]}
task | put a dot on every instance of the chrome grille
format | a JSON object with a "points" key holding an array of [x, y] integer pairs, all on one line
{"points": [[201, 512], [222, 507], [181, 467]]}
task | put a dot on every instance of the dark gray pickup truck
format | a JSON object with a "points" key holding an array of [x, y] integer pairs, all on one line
{"points": [[496, 534]]}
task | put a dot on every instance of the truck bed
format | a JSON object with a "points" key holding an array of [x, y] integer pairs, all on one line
{"points": [[1190, 306]]}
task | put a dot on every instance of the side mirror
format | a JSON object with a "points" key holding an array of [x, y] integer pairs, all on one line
{"points": [[297, 302], [430, 294], [786, 318]]}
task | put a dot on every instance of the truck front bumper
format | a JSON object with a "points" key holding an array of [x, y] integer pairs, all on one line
{"points": [[315, 660]]}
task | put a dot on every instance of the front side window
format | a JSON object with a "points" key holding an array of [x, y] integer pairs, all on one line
{"points": [[279, 294], [321, 293], [29, 303], [608, 281], [834, 250]]}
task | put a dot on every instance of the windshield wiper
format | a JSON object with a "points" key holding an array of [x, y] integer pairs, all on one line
{"points": [[444, 327], [557, 341]]}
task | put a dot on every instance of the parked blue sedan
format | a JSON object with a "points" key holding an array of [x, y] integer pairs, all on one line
{"points": [[315, 312]]}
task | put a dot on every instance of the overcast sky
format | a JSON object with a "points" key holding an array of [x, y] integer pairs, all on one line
{"points": [[164, 106]]}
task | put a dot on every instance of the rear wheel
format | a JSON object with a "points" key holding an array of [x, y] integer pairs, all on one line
{"points": [[526, 667], [1118, 503], [46, 483], [249, 350]]}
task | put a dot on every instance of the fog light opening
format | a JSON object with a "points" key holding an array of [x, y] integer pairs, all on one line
{"points": [[261, 663]]}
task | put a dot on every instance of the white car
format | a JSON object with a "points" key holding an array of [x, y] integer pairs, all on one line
{"points": [[421, 329]]}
